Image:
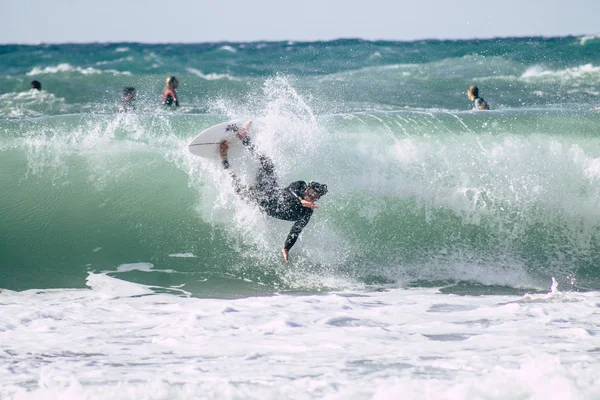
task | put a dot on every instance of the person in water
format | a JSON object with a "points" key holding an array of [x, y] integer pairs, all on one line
{"points": [[127, 102], [35, 85], [293, 203], [169, 97], [478, 102]]}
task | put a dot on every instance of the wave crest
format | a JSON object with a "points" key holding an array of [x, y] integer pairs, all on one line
{"points": [[65, 67]]}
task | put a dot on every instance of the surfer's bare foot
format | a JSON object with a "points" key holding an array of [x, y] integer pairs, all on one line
{"points": [[223, 147], [286, 255], [241, 134]]}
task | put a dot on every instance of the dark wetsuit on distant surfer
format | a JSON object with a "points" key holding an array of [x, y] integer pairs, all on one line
{"points": [[293, 203], [127, 102], [169, 97]]}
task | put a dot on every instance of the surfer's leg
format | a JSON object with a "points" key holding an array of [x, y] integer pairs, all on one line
{"points": [[266, 181], [247, 142], [242, 134], [239, 187]]}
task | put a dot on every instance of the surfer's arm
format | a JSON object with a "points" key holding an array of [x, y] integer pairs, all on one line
{"points": [[295, 194], [237, 184], [295, 231]]}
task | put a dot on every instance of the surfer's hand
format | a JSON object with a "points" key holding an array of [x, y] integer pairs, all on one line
{"points": [[244, 131], [223, 147], [286, 255], [308, 204]]}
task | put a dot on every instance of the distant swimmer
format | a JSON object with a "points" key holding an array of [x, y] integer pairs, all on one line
{"points": [[478, 102], [293, 203], [127, 101], [169, 97], [35, 85]]}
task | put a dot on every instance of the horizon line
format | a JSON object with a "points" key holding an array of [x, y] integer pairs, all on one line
{"points": [[453, 39]]}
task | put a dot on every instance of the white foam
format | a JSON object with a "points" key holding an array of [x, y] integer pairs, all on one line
{"points": [[211, 77], [588, 38], [183, 255], [69, 68], [228, 48], [413, 344], [592, 168], [114, 287], [31, 103], [539, 72], [143, 266], [114, 61]]}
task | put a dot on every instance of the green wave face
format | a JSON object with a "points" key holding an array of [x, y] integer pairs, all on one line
{"points": [[423, 191], [415, 198]]}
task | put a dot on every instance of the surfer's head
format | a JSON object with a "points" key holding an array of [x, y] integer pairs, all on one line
{"points": [[35, 85], [172, 82], [473, 92], [315, 190], [129, 93]]}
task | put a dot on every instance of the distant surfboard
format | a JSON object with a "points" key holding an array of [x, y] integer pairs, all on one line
{"points": [[206, 143]]}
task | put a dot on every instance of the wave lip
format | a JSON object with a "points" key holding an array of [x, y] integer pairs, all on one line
{"points": [[228, 48], [588, 38], [212, 76], [582, 71], [65, 67]]}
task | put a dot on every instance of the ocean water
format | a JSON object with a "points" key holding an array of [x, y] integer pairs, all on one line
{"points": [[456, 255]]}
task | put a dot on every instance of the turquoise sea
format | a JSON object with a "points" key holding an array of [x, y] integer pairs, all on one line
{"points": [[130, 269]]}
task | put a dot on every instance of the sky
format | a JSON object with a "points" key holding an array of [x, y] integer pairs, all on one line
{"points": [[155, 21]]}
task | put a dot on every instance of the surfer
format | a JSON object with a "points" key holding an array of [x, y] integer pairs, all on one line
{"points": [[293, 203], [35, 85], [169, 97], [127, 101], [478, 102]]}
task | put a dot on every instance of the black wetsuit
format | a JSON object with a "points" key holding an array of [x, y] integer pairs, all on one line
{"points": [[480, 104], [126, 106], [169, 101], [170, 98], [274, 201]]}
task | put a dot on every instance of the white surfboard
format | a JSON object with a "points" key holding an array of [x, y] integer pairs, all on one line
{"points": [[206, 143]]}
